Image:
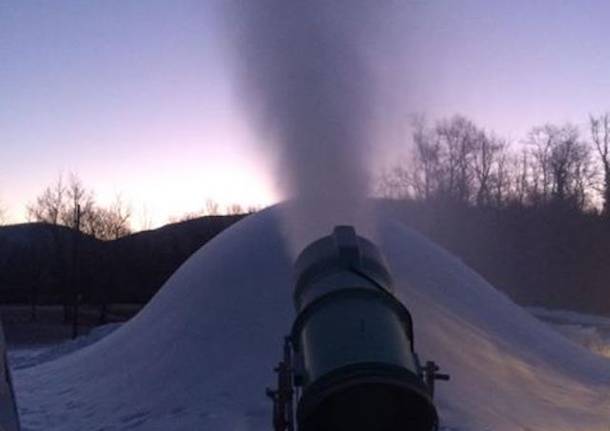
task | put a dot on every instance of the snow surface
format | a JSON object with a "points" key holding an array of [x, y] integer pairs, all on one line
{"points": [[200, 355], [30, 356], [592, 332]]}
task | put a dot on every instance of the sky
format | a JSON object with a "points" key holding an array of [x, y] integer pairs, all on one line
{"points": [[139, 98]]}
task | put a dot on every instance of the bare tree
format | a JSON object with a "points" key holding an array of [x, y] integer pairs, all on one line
{"points": [[425, 175], [118, 218], [108, 223], [600, 134], [519, 168], [58, 204], [501, 181], [541, 141], [192, 215], [235, 209], [50, 207], [458, 137], [571, 167], [76, 197], [401, 182], [489, 168], [50, 204], [457, 161], [561, 165], [211, 207], [453, 160]]}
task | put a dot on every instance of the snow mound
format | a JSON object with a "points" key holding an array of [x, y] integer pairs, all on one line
{"points": [[200, 355]]}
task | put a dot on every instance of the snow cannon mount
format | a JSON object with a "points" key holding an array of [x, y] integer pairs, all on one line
{"points": [[349, 362]]}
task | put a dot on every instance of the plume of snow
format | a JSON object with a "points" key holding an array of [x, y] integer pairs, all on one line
{"points": [[304, 69]]}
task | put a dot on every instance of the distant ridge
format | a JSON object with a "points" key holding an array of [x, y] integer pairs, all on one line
{"points": [[549, 257], [38, 258]]}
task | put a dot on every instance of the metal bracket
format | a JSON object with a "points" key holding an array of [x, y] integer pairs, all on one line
{"points": [[431, 374], [283, 396]]}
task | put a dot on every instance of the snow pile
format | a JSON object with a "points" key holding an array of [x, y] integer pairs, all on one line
{"points": [[200, 355]]}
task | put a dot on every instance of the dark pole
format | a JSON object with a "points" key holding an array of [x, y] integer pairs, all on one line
{"points": [[75, 272], [33, 300]]}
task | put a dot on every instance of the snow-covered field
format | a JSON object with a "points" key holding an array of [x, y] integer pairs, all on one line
{"points": [[200, 355]]}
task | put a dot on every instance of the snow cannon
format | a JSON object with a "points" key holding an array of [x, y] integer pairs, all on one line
{"points": [[349, 362]]}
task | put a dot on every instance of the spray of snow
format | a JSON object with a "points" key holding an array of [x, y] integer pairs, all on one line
{"points": [[307, 84]]}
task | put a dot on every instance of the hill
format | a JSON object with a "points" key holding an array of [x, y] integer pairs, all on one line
{"points": [[50, 262]]}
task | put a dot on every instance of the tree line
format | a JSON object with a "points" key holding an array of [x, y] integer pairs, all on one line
{"points": [[454, 160], [533, 219], [68, 202], [212, 208]]}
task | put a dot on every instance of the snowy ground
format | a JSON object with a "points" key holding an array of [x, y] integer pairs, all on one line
{"points": [[592, 332], [201, 353], [25, 356]]}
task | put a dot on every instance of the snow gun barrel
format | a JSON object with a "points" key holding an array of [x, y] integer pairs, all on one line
{"points": [[351, 352]]}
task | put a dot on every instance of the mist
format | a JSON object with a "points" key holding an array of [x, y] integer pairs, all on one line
{"points": [[305, 79]]}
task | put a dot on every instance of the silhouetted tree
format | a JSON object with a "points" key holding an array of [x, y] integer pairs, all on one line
{"points": [[454, 161], [192, 215], [400, 182], [501, 179], [235, 209], [600, 134], [108, 223], [490, 174], [211, 207], [540, 140], [50, 204], [426, 170], [520, 177], [562, 168], [73, 205], [57, 204], [77, 198], [458, 137]]}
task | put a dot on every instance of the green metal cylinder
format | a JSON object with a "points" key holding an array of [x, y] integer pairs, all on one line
{"points": [[354, 342]]}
